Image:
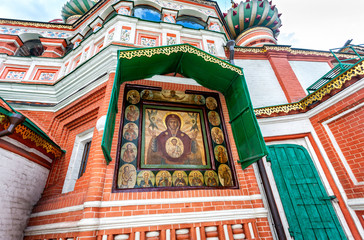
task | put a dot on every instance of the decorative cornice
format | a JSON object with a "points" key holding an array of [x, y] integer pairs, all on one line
{"points": [[93, 224], [27, 133], [293, 51], [204, 2], [35, 24], [305, 103], [168, 50]]}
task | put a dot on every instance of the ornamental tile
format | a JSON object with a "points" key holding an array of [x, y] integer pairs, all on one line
{"points": [[148, 42], [44, 76], [171, 40], [211, 48], [169, 19], [15, 75], [125, 35], [214, 27], [123, 11]]}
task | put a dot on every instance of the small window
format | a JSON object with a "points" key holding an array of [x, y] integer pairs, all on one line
{"points": [[191, 22], [78, 161], [147, 13], [86, 152]]}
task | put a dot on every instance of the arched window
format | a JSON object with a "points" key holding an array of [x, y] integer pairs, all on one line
{"points": [[191, 22], [147, 13]]}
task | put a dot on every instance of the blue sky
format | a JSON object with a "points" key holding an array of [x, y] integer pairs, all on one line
{"points": [[311, 24]]}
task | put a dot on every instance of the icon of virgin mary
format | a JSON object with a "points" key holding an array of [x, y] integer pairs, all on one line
{"points": [[173, 146]]}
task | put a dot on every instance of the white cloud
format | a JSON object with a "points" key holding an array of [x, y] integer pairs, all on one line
{"points": [[36, 10]]}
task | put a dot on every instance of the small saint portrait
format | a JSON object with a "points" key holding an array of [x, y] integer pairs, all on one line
{"points": [[195, 178], [179, 179], [217, 135], [128, 152], [174, 147], [225, 175], [130, 131], [199, 99], [172, 95], [127, 176], [133, 96], [220, 154], [163, 179], [146, 179], [211, 103], [211, 179], [214, 118], [132, 113], [169, 145], [147, 94]]}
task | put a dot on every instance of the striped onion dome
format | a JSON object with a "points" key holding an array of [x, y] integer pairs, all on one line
{"points": [[76, 7], [253, 13]]}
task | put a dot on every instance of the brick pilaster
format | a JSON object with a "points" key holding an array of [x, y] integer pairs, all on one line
{"points": [[286, 76]]}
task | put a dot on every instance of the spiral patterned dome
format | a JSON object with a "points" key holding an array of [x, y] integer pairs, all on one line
{"points": [[253, 13], [76, 8]]}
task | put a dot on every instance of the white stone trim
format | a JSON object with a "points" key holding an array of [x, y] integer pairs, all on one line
{"points": [[226, 233], [198, 233], [251, 230], [100, 124], [59, 55], [356, 204], [2, 47], [168, 234], [100, 204], [336, 145], [94, 224], [58, 211]]}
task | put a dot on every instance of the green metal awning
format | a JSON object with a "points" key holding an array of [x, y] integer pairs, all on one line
{"points": [[207, 70]]}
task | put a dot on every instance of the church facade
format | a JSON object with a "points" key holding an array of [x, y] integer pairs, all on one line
{"points": [[154, 119]]}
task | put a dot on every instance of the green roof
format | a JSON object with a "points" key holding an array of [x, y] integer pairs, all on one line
{"points": [[209, 71]]}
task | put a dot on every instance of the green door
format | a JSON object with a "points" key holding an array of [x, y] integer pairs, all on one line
{"points": [[306, 204]]}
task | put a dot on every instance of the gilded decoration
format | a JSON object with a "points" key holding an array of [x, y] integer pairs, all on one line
{"points": [[168, 50], [34, 24], [318, 95], [172, 139], [264, 49], [26, 133]]}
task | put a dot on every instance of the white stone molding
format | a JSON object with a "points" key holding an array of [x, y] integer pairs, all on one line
{"points": [[100, 124], [251, 230], [226, 233], [102, 204], [93, 224], [356, 204], [198, 233]]}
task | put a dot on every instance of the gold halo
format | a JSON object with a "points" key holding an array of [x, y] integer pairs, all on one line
{"points": [[174, 113]]}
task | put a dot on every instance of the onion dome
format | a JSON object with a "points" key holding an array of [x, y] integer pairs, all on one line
{"points": [[76, 8], [253, 13]]}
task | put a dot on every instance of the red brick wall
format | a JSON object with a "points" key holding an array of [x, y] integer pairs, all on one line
{"points": [[348, 132], [96, 182]]}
